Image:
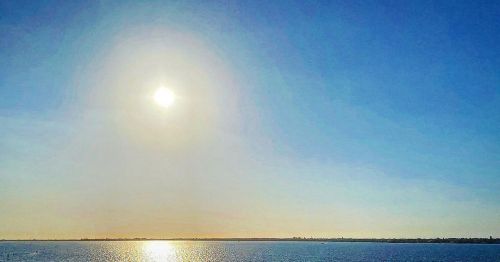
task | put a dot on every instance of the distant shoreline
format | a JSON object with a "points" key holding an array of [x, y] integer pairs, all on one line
{"points": [[295, 239]]}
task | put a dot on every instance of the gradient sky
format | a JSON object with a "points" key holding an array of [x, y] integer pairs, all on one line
{"points": [[324, 119]]}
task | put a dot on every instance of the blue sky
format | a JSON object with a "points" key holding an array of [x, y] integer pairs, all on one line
{"points": [[394, 106]]}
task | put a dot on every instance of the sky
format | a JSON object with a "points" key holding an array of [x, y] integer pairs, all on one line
{"points": [[291, 118]]}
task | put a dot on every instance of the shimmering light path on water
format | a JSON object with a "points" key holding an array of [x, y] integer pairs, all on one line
{"points": [[241, 251]]}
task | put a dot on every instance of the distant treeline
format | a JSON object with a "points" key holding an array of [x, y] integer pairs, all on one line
{"points": [[489, 240]]}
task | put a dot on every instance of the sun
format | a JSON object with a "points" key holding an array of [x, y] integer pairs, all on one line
{"points": [[164, 97]]}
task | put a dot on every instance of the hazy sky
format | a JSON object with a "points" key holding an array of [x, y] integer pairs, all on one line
{"points": [[325, 119]]}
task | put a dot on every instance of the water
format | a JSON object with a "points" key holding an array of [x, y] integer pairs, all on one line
{"points": [[242, 251]]}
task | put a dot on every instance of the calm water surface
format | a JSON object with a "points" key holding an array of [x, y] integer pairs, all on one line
{"points": [[242, 251]]}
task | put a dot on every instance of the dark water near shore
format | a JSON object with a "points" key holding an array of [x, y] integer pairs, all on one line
{"points": [[242, 251]]}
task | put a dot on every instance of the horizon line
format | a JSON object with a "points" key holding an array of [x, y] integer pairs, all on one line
{"points": [[489, 239]]}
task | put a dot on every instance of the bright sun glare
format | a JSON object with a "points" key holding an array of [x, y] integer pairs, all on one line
{"points": [[159, 251], [164, 97]]}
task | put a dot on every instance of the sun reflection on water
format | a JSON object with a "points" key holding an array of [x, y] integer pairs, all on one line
{"points": [[159, 251]]}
